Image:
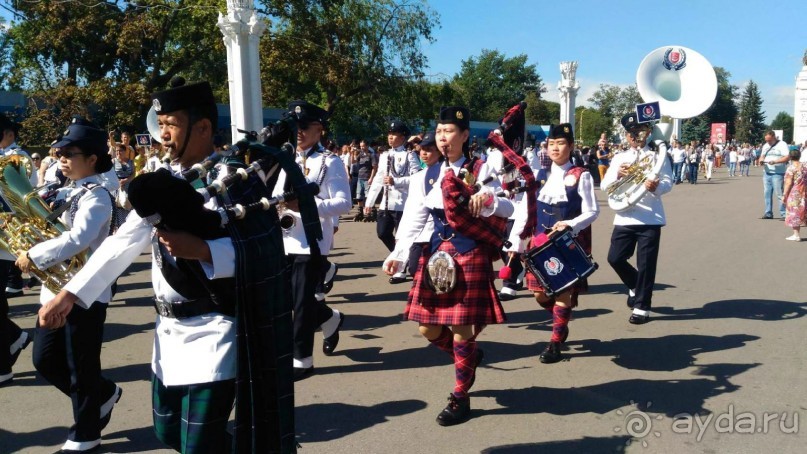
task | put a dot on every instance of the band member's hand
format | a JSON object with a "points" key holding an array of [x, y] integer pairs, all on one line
{"points": [[388, 180], [476, 203], [185, 246], [651, 185], [390, 267], [367, 211], [53, 314], [623, 170], [293, 205], [560, 225], [23, 262]]}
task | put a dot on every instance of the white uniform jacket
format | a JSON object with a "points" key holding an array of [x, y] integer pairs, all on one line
{"points": [[416, 224], [405, 164], [332, 200], [198, 349], [649, 210], [89, 227], [552, 192]]}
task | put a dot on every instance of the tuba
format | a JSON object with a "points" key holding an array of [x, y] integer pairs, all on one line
{"points": [[26, 223], [685, 85]]}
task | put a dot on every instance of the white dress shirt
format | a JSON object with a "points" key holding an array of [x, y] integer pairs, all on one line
{"points": [[192, 350], [332, 200], [648, 210], [87, 230], [416, 224], [404, 165], [553, 192]]}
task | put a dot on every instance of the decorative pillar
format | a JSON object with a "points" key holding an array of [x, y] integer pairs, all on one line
{"points": [[567, 87], [242, 30], [800, 112]]}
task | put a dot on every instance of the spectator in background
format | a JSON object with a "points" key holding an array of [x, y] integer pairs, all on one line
{"points": [[773, 156], [733, 158], [794, 195], [710, 156], [679, 157], [693, 162], [603, 157]]}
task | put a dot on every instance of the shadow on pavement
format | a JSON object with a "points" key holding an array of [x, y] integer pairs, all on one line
{"points": [[361, 322], [747, 309], [20, 442], [326, 422], [667, 353], [116, 331], [136, 440], [668, 397], [540, 319], [129, 373], [361, 297], [584, 445]]}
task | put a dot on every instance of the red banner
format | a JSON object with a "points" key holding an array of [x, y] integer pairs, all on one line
{"points": [[718, 133]]}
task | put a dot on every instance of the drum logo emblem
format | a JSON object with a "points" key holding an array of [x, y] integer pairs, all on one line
{"points": [[553, 266]]}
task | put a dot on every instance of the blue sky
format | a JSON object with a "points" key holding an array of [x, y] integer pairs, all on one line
{"points": [[753, 40]]}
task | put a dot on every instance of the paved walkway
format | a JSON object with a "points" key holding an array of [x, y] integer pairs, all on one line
{"points": [[724, 351]]}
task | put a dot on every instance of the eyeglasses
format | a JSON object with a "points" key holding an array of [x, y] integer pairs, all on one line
{"points": [[36, 159], [68, 153]]}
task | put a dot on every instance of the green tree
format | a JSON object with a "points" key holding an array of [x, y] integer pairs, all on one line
{"points": [[750, 119], [613, 102], [696, 129], [724, 108], [360, 59], [103, 60], [784, 121], [492, 83], [589, 125], [540, 111]]}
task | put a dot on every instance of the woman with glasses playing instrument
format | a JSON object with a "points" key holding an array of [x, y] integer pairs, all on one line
{"points": [[69, 357]]}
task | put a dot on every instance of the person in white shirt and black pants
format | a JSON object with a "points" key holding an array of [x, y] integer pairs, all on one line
{"points": [[639, 226], [69, 357]]}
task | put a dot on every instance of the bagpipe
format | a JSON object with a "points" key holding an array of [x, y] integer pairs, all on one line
{"points": [[457, 192], [247, 214]]}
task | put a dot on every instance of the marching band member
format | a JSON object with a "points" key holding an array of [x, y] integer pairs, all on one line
{"points": [[306, 260], [639, 226], [194, 360], [70, 357], [396, 166], [12, 338], [566, 200], [440, 227]]}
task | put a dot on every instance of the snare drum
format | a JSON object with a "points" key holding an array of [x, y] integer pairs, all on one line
{"points": [[559, 263]]}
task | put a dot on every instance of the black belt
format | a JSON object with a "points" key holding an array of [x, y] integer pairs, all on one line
{"points": [[191, 308]]}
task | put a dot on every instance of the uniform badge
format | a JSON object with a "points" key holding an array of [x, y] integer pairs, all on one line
{"points": [[298, 110], [66, 132], [431, 180], [459, 115], [674, 59], [156, 104], [566, 129]]}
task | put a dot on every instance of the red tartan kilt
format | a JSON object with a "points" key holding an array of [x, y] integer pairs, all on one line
{"points": [[474, 300]]}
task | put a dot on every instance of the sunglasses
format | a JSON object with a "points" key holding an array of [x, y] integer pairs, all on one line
{"points": [[68, 154], [36, 159]]}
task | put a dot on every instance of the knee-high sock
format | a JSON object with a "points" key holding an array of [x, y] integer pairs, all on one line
{"points": [[560, 320], [445, 341], [464, 366], [548, 305]]}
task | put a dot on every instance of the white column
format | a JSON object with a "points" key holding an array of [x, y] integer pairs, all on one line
{"points": [[242, 30], [800, 112], [567, 88]]}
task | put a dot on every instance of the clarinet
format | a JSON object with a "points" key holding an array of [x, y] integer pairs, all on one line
{"points": [[390, 161]]}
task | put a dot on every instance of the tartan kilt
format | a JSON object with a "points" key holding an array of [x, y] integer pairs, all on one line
{"points": [[474, 300]]}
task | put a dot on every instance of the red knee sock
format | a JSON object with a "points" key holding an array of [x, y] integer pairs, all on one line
{"points": [[464, 366], [445, 341], [560, 320], [548, 305]]}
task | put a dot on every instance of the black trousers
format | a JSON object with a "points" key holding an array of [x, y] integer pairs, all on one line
{"points": [[9, 331], [386, 225], [14, 277], [515, 265], [69, 358], [309, 314], [645, 239]]}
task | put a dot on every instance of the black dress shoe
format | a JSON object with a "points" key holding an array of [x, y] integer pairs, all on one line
{"points": [[506, 297], [14, 294], [397, 279], [330, 342], [301, 373], [636, 319], [108, 416], [457, 411], [551, 354]]}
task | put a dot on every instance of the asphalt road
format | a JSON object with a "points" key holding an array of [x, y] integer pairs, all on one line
{"points": [[722, 355]]}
